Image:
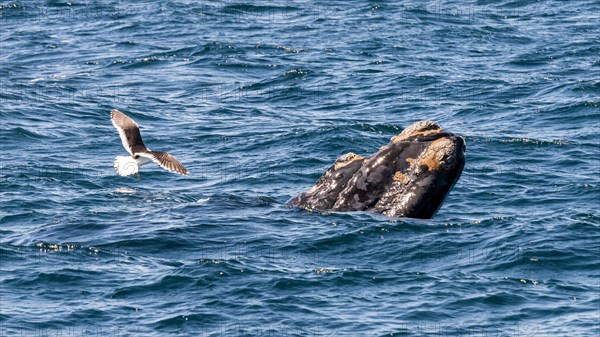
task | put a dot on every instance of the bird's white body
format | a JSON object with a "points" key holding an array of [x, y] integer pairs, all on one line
{"points": [[127, 165]]}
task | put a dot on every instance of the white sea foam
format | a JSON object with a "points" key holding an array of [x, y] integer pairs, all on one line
{"points": [[126, 165]]}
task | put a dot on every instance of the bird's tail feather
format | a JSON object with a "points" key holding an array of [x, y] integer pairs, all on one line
{"points": [[126, 166]]}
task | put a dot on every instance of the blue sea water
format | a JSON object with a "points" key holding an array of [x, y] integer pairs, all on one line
{"points": [[257, 99]]}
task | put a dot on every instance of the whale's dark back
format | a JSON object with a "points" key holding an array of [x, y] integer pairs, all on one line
{"points": [[409, 177]]}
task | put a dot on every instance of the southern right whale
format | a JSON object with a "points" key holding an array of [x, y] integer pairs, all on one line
{"points": [[409, 177]]}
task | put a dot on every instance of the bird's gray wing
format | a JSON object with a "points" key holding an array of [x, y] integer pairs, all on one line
{"points": [[164, 160], [129, 132]]}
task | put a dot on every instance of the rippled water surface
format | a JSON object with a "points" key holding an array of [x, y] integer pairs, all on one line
{"points": [[257, 99]]}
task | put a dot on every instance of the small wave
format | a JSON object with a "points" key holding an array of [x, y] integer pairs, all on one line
{"points": [[125, 190]]}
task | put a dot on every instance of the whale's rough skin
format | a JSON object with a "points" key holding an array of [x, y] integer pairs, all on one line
{"points": [[409, 177]]}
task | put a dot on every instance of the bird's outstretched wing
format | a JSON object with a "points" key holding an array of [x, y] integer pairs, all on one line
{"points": [[129, 132], [164, 160]]}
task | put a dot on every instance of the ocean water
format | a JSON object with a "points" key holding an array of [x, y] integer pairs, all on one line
{"points": [[257, 99]]}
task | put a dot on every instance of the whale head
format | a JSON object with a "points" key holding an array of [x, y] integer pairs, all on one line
{"points": [[408, 177]]}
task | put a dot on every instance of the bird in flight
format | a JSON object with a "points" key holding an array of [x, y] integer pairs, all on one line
{"points": [[130, 135]]}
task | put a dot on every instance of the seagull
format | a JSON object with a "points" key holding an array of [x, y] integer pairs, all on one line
{"points": [[130, 135]]}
